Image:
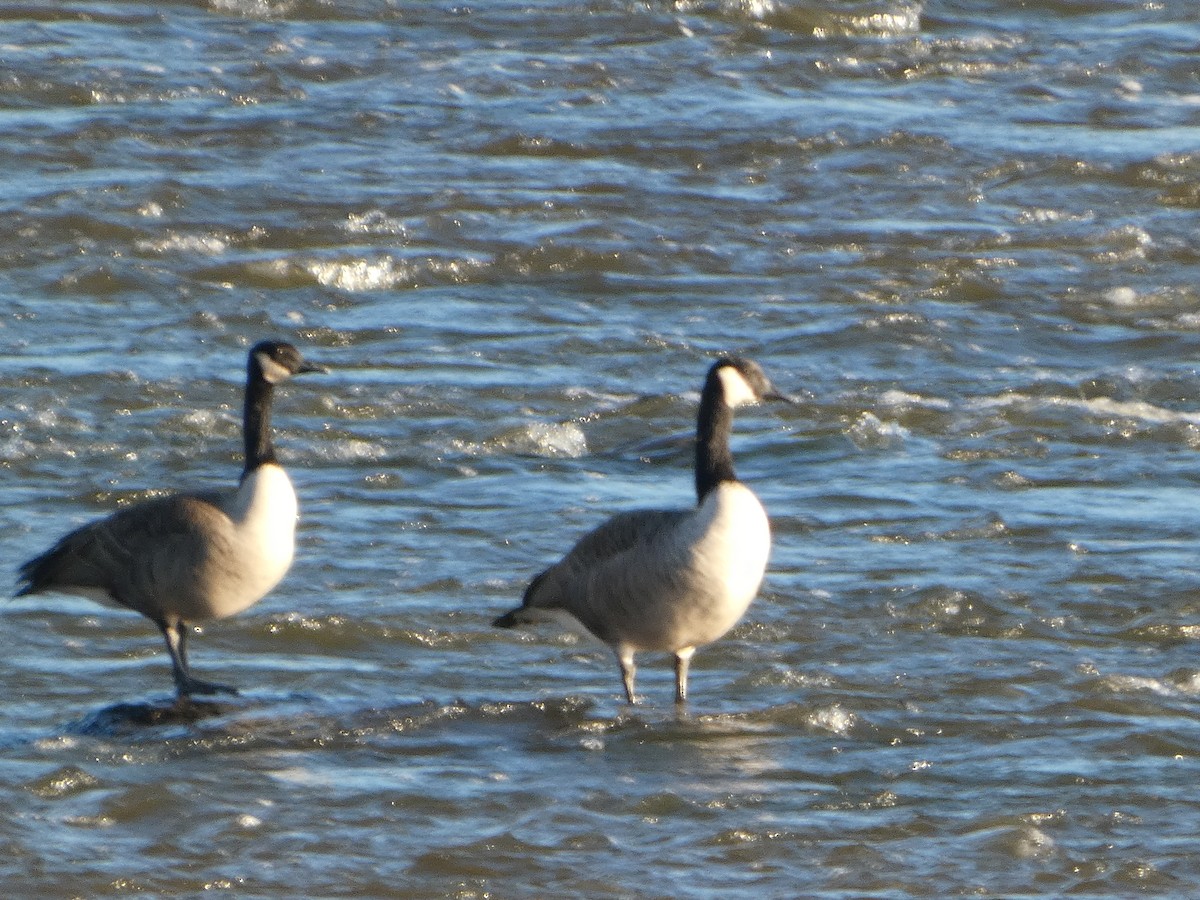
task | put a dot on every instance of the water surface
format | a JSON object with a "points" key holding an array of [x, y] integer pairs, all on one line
{"points": [[964, 233]]}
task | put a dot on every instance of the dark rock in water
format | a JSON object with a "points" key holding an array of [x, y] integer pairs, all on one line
{"points": [[122, 716]]}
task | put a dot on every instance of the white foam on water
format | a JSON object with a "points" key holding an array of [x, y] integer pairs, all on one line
{"points": [[1100, 407], [869, 432], [834, 719], [204, 244]]}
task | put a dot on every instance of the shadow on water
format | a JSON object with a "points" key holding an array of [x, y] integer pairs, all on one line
{"points": [[304, 720], [549, 725]]}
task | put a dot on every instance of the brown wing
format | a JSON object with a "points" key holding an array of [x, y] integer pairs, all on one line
{"points": [[134, 554]]}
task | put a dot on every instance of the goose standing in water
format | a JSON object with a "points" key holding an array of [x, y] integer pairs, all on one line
{"points": [[670, 580], [194, 557]]}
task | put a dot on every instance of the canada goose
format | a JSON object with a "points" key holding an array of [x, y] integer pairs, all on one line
{"points": [[189, 558], [670, 580]]}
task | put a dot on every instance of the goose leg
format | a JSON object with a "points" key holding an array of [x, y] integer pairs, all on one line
{"points": [[628, 671], [175, 635], [683, 659]]}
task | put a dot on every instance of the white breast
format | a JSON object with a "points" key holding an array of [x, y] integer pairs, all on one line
{"points": [[729, 556], [263, 514], [694, 586]]}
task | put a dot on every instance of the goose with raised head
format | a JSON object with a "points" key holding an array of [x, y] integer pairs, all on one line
{"points": [[188, 558], [670, 580]]}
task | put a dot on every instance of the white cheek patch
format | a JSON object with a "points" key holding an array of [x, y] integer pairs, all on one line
{"points": [[272, 371], [738, 391]]}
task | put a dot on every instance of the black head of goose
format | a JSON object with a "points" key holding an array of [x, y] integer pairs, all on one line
{"points": [[670, 580], [191, 557]]}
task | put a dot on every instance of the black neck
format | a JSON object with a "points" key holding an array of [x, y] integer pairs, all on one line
{"points": [[714, 460], [256, 421]]}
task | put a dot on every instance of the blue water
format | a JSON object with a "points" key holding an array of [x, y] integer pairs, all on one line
{"points": [[962, 233]]}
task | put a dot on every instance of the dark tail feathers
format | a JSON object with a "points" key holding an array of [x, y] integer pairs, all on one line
{"points": [[513, 617]]}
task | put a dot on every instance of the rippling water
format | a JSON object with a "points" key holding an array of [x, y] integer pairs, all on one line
{"points": [[963, 232]]}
